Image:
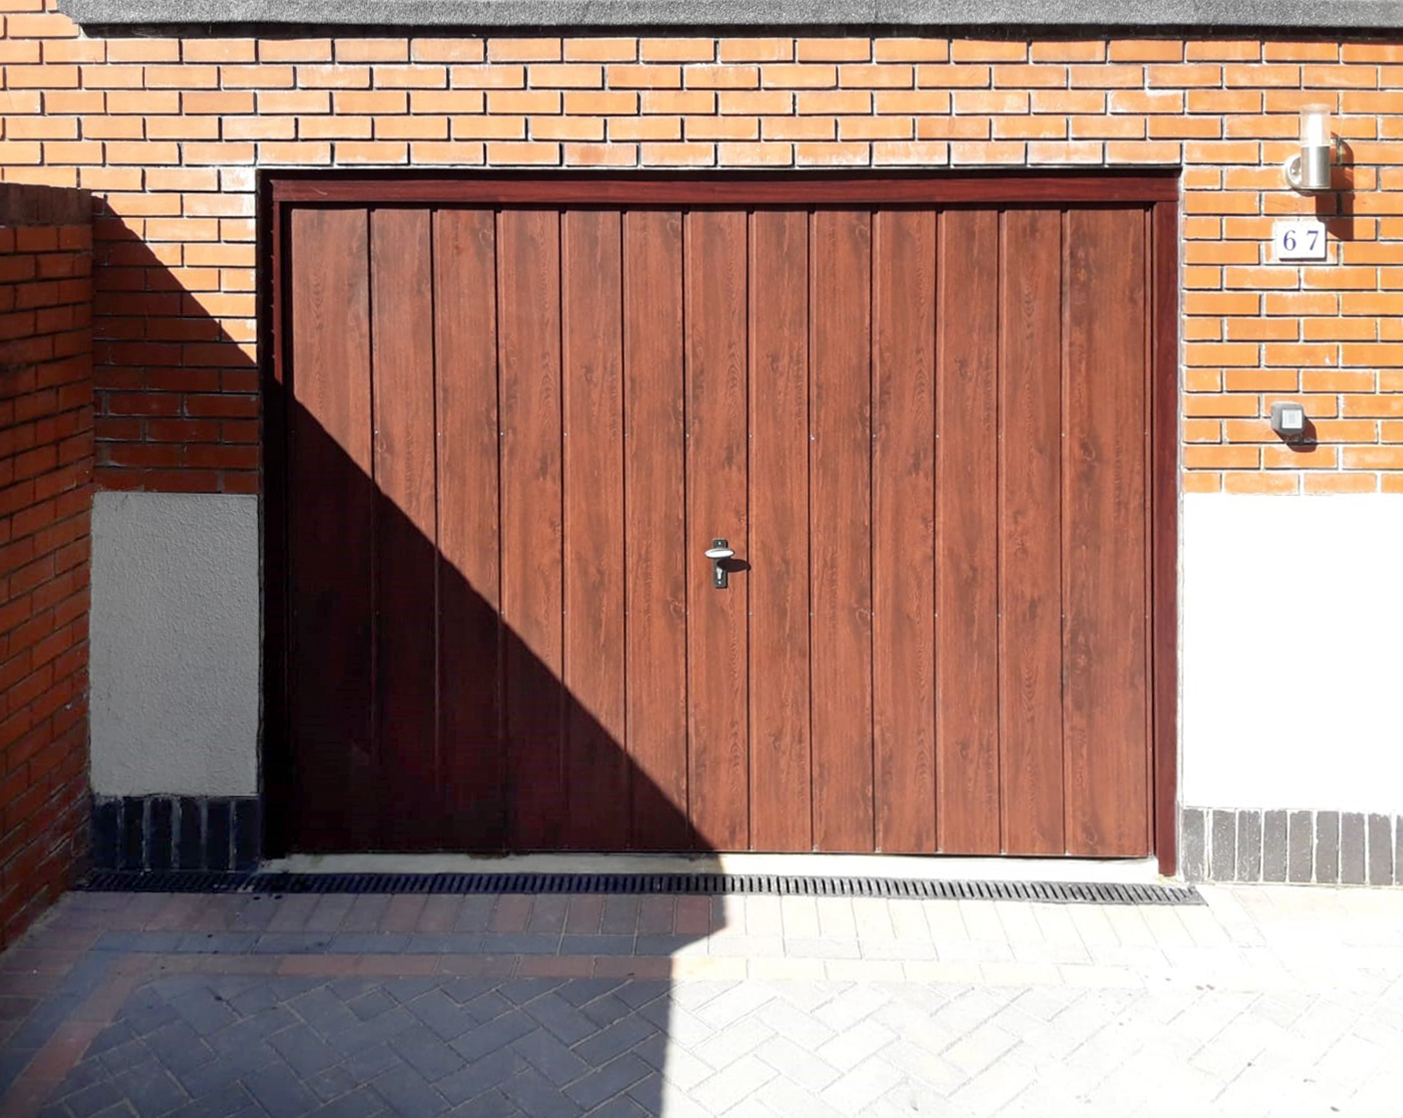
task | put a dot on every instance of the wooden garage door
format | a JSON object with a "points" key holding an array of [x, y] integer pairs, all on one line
{"points": [[512, 431]]}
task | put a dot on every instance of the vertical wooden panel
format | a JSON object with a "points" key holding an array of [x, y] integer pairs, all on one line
{"points": [[528, 285], [402, 379], [470, 670], [903, 530], [718, 763], [1104, 563], [330, 530], [596, 768], [655, 547], [779, 548], [1030, 531], [840, 460], [966, 535]]}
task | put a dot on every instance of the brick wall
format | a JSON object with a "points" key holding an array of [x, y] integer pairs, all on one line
{"points": [[46, 458], [168, 133]]}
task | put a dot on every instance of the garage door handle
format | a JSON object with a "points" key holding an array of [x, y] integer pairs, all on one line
{"points": [[718, 553]]}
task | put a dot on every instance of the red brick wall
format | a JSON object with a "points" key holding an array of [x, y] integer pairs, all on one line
{"points": [[46, 467], [169, 133]]}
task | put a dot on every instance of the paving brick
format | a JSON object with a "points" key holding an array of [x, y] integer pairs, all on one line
{"points": [[421, 1048], [281, 1092], [407, 1094]]}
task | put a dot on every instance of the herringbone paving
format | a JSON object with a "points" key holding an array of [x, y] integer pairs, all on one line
{"points": [[1270, 1002]]}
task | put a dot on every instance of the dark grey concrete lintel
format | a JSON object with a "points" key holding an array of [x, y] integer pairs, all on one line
{"points": [[1284, 15]]}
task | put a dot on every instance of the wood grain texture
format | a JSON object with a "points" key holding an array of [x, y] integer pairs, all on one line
{"points": [[1105, 632], [596, 768], [739, 189], [840, 461], [780, 778], [528, 285], [330, 533], [717, 645], [402, 380], [655, 545], [1030, 532], [1164, 527], [966, 535], [469, 633], [903, 528]]}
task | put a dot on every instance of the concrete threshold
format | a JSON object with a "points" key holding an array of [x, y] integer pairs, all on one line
{"points": [[1118, 871]]}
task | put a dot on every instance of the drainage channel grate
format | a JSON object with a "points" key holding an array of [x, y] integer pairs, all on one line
{"points": [[703, 884]]}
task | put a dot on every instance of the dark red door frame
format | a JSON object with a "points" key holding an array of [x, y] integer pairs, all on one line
{"points": [[1159, 190]]}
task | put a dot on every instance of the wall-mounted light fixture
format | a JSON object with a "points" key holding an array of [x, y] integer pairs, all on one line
{"points": [[1288, 420], [1309, 171]]}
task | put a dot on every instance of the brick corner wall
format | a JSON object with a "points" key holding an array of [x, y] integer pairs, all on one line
{"points": [[46, 470]]}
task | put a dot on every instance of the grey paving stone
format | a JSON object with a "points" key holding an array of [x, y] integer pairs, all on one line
{"points": [[151, 1095], [405, 990], [606, 1010], [363, 1102], [234, 1100], [639, 992], [1193, 844], [493, 1104], [617, 1038], [257, 1027], [520, 943], [464, 990], [442, 1014], [118, 1033], [1274, 846], [323, 1011], [371, 1004], [550, 1057], [481, 1075], [478, 1042], [90, 1099], [1327, 846], [421, 1048], [596, 945], [217, 943], [371, 1061], [332, 1083], [1300, 865], [364, 1034], [145, 1012], [204, 1011], [281, 1093], [1353, 855], [561, 1018], [368, 943], [218, 1075], [1222, 845], [604, 1083], [179, 1047], [305, 1052], [538, 1097], [1249, 846], [621, 1107], [407, 1094], [1380, 850], [487, 1007], [291, 943]]}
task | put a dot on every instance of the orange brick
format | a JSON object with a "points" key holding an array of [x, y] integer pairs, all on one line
{"points": [[692, 102], [450, 50], [1221, 457], [294, 50], [1202, 482], [412, 128], [837, 50], [812, 128], [722, 77], [1057, 50], [920, 153], [1032, 128], [645, 77], [532, 154], [599, 103], [523, 50], [756, 50], [488, 128], [1049, 152], [848, 102], [953, 77], [462, 101], [767, 103], [799, 75], [1030, 77], [975, 152], [575, 128], [988, 50], [677, 155], [1244, 482], [905, 101], [911, 50], [1302, 456], [1379, 407], [832, 155], [410, 77], [1339, 77], [1202, 430], [1106, 77], [178, 77], [1183, 77], [1340, 483], [601, 50], [1146, 50], [1372, 457], [677, 50], [987, 102], [754, 155], [720, 128], [1140, 101], [600, 155], [876, 128], [488, 77], [349, 102], [334, 77], [1068, 101], [372, 50], [645, 129], [1224, 407], [566, 75], [523, 101], [455, 152]]}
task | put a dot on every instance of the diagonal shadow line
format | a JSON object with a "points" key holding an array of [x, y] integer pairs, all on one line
{"points": [[152, 334]]}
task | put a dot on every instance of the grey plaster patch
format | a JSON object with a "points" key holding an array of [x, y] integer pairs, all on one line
{"points": [[1274, 846], [1192, 848], [1249, 846], [1266, 14], [1380, 850]]}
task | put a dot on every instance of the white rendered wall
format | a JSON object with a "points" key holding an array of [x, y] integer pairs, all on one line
{"points": [[175, 644], [1292, 654]]}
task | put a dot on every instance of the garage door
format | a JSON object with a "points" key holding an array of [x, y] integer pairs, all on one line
{"points": [[512, 430]]}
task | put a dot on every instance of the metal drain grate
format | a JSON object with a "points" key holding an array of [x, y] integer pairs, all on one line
{"points": [[704, 884]]}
